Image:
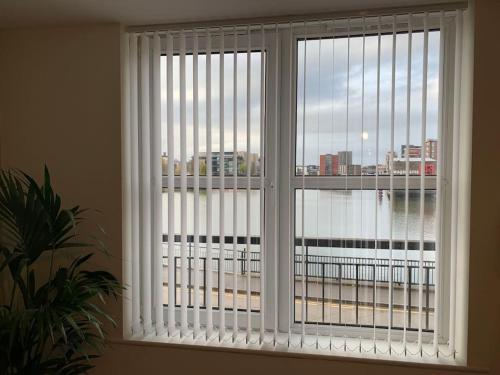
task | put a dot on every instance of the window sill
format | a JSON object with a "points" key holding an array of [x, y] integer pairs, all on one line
{"points": [[297, 353]]}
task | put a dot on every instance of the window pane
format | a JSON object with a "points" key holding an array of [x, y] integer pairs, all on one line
{"points": [[340, 268], [247, 160], [241, 269], [337, 106], [241, 146]]}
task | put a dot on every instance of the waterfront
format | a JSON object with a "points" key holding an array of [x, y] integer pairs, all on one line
{"points": [[328, 214]]}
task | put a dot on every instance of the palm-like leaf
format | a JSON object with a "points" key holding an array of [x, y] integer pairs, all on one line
{"points": [[59, 326]]}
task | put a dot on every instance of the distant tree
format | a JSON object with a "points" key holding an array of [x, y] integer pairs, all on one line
{"points": [[242, 169], [203, 168]]}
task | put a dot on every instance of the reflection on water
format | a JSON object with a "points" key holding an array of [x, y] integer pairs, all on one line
{"points": [[364, 214], [328, 213]]}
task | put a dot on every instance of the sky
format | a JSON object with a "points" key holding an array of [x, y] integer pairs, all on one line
{"points": [[340, 110]]}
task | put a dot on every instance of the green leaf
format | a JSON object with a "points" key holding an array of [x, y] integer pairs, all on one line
{"points": [[58, 326]]}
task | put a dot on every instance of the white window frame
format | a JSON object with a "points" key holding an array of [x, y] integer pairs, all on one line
{"points": [[279, 140], [288, 181], [269, 166]]}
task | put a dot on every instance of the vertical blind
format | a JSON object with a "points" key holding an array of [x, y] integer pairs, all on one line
{"points": [[204, 113]]}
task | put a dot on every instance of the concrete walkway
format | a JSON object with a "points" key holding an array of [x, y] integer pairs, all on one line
{"points": [[323, 305]]}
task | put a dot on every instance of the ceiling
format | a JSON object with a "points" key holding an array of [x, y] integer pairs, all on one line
{"points": [[28, 13]]}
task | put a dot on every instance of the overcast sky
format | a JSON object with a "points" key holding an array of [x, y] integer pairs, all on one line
{"points": [[336, 117]]}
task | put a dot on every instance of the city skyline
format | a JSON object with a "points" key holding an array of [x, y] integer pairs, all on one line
{"points": [[228, 164], [341, 164], [337, 116]]}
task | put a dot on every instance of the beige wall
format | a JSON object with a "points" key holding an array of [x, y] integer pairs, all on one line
{"points": [[60, 105]]}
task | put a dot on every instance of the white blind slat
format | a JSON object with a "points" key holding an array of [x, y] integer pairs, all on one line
{"points": [[302, 253], [208, 264], [145, 172], [196, 214], [127, 182], [171, 186], [332, 129], [455, 173], [222, 164], [348, 81], [134, 137], [248, 253], [235, 186], [362, 138], [291, 171], [377, 138], [439, 176], [407, 177], [184, 217], [318, 121], [391, 163], [262, 229], [156, 174], [422, 185], [276, 169]]}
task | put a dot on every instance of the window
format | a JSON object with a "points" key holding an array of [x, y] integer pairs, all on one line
{"points": [[293, 186], [357, 112]]}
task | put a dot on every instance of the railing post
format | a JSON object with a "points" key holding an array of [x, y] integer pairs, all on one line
{"points": [[357, 294], [243, 263], [307, 282], [190, 285], [218, 284], [409, 296], [205, 282], [374, 286], [340, 293], [391, 270], [175, 280], [323, 291], [427, 297]]}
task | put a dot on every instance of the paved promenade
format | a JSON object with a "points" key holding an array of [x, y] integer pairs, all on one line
{"points": [[323, 302]]}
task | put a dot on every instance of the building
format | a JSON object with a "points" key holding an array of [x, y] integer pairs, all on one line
{"points": [[345, 157], [337, 165], [389, 159], [369, 170], [430, 167], [431, 149], [312, 170], [414, 166], [413, 151], [229, 163], [328, 165], [164, 165], [350, 170]]}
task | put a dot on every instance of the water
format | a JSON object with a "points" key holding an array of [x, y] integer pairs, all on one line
{"points": [[361, 214]]}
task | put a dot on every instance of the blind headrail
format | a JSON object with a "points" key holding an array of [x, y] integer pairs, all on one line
{"points": [[285, 20]]}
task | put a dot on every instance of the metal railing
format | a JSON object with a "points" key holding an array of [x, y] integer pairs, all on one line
{"points": [[322, 275]]}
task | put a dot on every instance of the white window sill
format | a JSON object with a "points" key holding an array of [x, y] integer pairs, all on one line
{"points": [[341, 349]]}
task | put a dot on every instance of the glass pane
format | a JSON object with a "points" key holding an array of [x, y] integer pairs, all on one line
{"points": [[241, 253], [336, 269], [229, 146], [337, 106]]}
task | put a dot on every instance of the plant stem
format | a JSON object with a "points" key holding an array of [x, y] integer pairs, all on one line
{"points": [[51, 264], [12, 294]]}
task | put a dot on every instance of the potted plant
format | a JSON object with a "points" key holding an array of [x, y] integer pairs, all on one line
{"points": [[51, 316]]}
